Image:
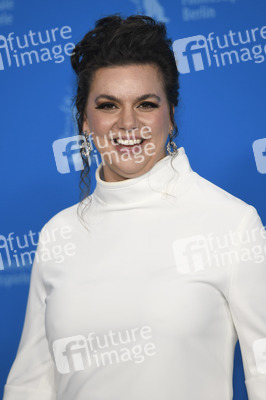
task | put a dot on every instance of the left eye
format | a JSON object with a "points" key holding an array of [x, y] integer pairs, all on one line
{"points": [[147, 104]]}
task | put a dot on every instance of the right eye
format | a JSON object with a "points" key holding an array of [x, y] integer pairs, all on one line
{"points": [[106, 106]]}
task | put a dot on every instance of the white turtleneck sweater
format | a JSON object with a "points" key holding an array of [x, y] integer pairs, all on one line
{"points": [[148, 302]]}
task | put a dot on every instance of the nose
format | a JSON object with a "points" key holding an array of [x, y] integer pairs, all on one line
{"points": [[127, 119]]}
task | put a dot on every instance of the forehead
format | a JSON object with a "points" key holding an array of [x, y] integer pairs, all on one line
{"points": [[128, 77]]}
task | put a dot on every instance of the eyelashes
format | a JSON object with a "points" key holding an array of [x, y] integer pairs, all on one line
{"points": [[108, 106]]}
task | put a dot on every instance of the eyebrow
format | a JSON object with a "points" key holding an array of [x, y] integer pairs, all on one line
{"points": [[143, 97]]}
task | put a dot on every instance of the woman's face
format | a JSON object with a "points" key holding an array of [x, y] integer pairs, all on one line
{"points": [[127, 102]]}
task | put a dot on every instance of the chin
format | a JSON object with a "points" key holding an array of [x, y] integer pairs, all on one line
{"points": [[130, 167]]}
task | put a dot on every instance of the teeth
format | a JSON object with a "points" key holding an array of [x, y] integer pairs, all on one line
{"points": [[129, 142]]}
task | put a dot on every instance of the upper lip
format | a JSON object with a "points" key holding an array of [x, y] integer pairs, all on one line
{"points": [[129, 137]]}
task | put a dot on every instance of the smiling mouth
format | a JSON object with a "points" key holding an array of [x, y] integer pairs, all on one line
{"points": [[128, 142]]}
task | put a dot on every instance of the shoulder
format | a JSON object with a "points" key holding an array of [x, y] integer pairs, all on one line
{"points": [[209, 198], [65, 220]]}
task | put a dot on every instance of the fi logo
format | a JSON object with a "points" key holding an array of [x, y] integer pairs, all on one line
{"points": [[192, 54], [67, 154], [71, 354], [259, 150], [4, 50], [191, 254]]}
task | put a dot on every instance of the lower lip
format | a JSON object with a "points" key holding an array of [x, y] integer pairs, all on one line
{"points": [[131, 149]]}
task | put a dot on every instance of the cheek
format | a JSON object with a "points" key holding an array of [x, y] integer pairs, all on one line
{"points": [[160, 122], [99, 124]]}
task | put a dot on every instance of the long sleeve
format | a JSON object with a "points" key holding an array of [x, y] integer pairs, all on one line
{"points": [[32, 374], [247, 301]]}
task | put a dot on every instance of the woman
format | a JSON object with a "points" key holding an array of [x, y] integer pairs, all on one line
{"points": [[166, 270]]}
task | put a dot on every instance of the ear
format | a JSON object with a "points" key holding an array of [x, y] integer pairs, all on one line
{"points": [[173, 108], [171, 127], [85, 126]]}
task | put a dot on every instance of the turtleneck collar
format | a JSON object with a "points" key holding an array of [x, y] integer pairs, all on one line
{"points": [[159, 179]]}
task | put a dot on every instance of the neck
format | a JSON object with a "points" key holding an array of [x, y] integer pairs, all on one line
{"points": [[159, 180]]}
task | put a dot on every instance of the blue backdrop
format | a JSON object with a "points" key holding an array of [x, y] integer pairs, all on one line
{"points": [[220, 47]]}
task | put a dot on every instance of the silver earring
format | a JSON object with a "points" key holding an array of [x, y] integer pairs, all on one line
{"points": [[86, 147], [172, 144]]}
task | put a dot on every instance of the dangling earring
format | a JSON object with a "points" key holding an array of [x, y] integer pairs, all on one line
{"points": [[86, 148], [172, 144]]}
